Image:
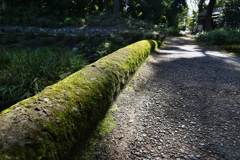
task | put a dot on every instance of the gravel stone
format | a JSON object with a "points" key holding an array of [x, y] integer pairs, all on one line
{"points": [[183, 103]]}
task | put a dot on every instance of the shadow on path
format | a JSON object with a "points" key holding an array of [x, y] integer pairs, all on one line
{"points": [[183, 103], [199, 97]]}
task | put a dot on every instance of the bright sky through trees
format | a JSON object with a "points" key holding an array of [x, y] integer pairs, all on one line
{"points": [[192, 4]]}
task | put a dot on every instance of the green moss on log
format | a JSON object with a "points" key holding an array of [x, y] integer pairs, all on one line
{"points": [[48, 125]]}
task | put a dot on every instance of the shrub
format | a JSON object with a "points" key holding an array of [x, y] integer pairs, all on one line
{"points": [[29, 71], [42, 34], [117, 40], [173, 31], [142, 24], [81, 21], [101, 50], [47, 40], [95, 41], [60, 36], [104, 49], [69, 39], [217, 37], [68, 21], [112, 48], [137, 36], [28, 34], [81, 37], [110, 36], [43, 22], [233, 37], [81, 45], [9, 38], [98, 35], [126, 34], [202, 36], [10, 31], [151, 35]]}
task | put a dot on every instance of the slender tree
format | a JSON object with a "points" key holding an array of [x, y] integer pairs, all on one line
{"points": [[208, 22]]}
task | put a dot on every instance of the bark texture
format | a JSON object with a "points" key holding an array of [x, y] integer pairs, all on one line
{"points": [[208, 23]]}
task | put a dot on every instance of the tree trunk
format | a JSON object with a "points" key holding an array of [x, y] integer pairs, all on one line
{"points": [[116, 6], [200, 6], [67, 10], [208, 22], [72, 108]]}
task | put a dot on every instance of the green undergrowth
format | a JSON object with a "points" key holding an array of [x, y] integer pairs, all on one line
{"points": [[219, 37], [26, 72], [66, 113], [231, 48]]}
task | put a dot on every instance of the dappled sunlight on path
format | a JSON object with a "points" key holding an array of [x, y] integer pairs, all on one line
{"points": [[185, 101]]}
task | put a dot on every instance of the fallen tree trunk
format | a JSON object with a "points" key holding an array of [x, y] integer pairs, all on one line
{"points": [[49, 124]]}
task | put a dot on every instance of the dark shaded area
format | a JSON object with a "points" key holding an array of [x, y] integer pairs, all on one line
{"points": [[207, 90]]}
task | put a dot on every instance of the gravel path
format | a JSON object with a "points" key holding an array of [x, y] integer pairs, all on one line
{"points": [[183, 103]]}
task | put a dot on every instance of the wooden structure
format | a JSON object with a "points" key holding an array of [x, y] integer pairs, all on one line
{"points": [[202, 18]]}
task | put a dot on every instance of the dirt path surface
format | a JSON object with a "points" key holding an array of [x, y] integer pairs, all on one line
{"points": [[183, 103]]}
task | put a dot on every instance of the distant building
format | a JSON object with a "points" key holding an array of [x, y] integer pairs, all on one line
{"points": [[202, 18]]}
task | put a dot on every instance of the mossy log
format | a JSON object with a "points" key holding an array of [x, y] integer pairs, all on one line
{"points": [[49, 124]]}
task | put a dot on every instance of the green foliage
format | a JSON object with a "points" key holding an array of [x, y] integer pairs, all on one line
{"points": [[151, 35], [230, 16], [219, 37], [42, 34], [126, 34], [18, 62], [142, 24], [53, 13], [47, 40], [28, 34], [137, 36], [109, 22], [95, 41], [98, 35], [232, 48], [202, 36], [68, 39], [9, 38], [60, 36], [233, 36], [81, 37], [10, 31], [173, 31], [81, 21], [44, 22], [4, 58], [68, 21], [118, 40], [27, 72], [19, 15]]}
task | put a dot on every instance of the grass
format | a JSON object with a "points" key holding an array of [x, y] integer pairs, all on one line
{"points": [[25, 72], [33, 61]]}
